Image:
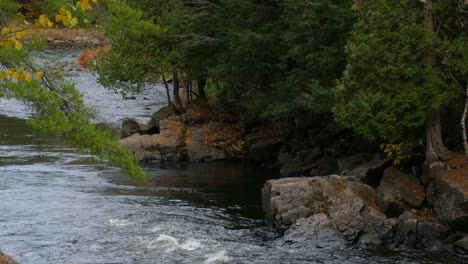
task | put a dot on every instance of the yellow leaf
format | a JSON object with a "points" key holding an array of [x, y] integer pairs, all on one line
{"points": [[3, 75], [5, 31], [8, 45], [16, 75], [39, 75], [28, 77], [58, 18], [18, 45]]}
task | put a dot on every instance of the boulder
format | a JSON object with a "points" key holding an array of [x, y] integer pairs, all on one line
{"points": [[448, 193], [351, 207], [214, 141], [129, 127], [4, 259], [163, 113], [317, 231], [416, 230], [399, 192], [168, 145], [370, 172], [461, 246], [350, 162]]}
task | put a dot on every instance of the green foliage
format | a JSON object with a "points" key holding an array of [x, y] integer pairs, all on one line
{"points": [[396, 72], [58, 107]]}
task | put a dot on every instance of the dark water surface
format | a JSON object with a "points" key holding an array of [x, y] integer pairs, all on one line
{"points": [[59, 206]]}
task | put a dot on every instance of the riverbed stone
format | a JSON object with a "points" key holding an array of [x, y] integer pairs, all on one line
{"points": [[399, 192], [168, 145], [351, 206]]}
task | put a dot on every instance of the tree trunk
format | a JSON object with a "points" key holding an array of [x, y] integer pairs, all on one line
{"points": [[168, 94], [435, 148], [176, 89], [463, 123], [201, 87]]}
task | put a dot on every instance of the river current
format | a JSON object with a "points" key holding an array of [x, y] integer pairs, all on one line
{"points": [[59, 206]]}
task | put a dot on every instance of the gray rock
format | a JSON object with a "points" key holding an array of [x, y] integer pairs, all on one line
{"points": [[448, 193], [129, 127], [317, 231], [416, 229], [370, 172], [161, 114], [351, 205], [399, 192], [168, 145], [461, 246]]}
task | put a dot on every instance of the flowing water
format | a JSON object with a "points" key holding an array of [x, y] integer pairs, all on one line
{"points": [[59, 206]]}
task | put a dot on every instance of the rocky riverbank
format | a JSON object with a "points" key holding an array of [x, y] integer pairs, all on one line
{"points": [[347, 194], [339, 211]]}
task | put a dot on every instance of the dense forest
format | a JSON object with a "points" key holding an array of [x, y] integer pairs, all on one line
{"points": [[383, 68]]}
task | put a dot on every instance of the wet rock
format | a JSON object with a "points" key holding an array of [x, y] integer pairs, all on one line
{"points": [[461, 246], [351, 206], [264, 142], [161, 114], [129, 127], [357, 216], [448, 193], [399, 192], [214, 141], [370, 172], [418, 230], [317, 231], [168, 145], [4, 259]]}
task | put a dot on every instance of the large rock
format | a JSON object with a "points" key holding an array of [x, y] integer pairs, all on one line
{"points": [[317, 231], [461, 246], [168, 145], [214, 141], [399, 192], [371, 172], [416, 230], [4, 259], [163, 113], [350, 205], [129, 127], [448, 193]]}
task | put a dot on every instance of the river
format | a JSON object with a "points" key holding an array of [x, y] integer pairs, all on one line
{"points": [[59, 206]]}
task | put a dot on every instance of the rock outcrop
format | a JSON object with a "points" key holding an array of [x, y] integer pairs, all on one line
{"points": [[399, 192], [448, 193], [350, 207], [168, 145], [201, 134]]}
